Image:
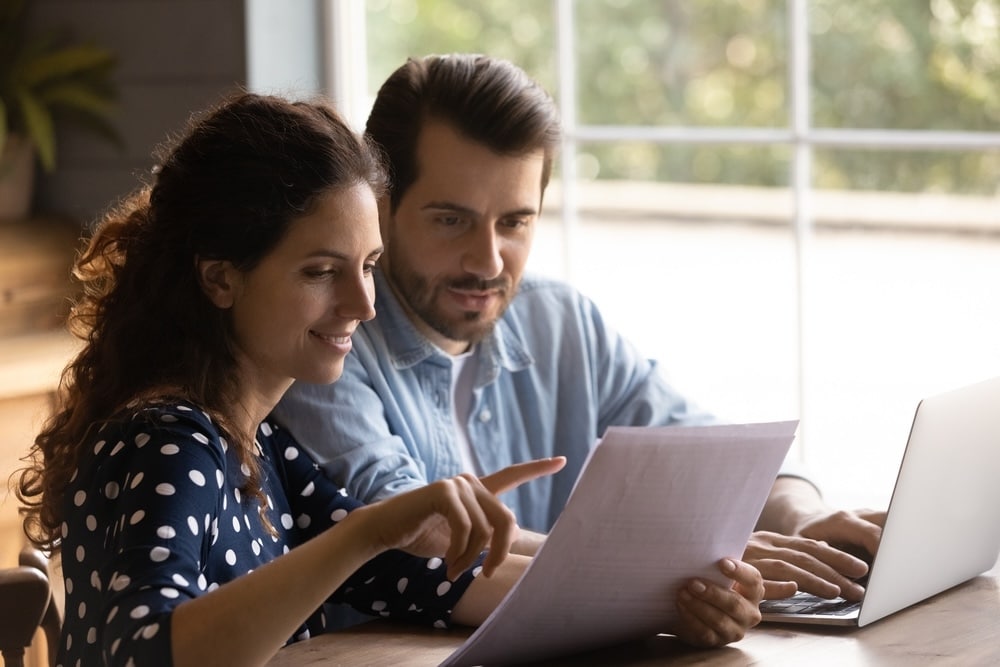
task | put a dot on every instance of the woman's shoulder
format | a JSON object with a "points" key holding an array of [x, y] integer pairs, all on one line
{"points": [[158, 420], [170, 442], [169, 411]]}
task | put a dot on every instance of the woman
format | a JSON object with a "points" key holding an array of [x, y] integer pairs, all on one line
{"points": [[192, 528]]}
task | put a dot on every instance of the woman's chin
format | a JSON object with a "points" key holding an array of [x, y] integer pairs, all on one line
{"points": [[323, 376]]}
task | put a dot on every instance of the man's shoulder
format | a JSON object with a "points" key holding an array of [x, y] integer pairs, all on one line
{"points": [[537, 282], [548, 314], [542, 292]]}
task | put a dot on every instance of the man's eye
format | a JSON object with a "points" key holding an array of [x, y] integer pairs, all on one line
{"points": [[319, 273], [514, 223]]}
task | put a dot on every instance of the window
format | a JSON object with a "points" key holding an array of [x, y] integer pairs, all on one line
{"points": [[794, 206]]}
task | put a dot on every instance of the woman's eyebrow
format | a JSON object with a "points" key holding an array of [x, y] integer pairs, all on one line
{"points": [[336, 254]]}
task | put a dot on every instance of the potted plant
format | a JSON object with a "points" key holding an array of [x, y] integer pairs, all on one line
{"points": [[43, 80]]}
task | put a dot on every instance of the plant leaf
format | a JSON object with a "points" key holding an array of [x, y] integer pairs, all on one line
{"points": [[65, 62], [38, 123], [45, 79], [77, 96]]}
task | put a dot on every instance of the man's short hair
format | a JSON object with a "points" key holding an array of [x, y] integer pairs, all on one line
{"points": [[488, 100]]}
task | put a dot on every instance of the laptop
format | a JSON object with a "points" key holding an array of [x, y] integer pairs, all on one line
{"points": [[942, 527]]}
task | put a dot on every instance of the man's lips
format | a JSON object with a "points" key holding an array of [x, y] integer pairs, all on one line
{"points": [[473, 299], [477, 295]]}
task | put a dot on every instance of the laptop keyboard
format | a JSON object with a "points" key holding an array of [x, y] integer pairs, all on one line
{"points": [[803, 603]]}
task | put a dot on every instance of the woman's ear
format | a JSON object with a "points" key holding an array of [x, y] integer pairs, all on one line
{"points": [[219, 281]]}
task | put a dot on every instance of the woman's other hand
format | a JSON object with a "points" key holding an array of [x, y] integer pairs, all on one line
{"points": [[714, 615]]}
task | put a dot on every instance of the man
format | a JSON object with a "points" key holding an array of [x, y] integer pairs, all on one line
{"points": [[470, 365]]}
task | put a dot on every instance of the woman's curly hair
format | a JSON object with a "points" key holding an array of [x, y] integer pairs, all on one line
{"points": [[227, 189]]}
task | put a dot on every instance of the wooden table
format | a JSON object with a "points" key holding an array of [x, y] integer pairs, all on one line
{"points": [[959, 627]]}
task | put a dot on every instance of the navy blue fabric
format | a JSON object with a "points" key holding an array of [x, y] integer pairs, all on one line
{"points": [[155, 516]]}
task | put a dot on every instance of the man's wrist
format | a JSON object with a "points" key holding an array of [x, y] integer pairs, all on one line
{"points": [[792, 503]]}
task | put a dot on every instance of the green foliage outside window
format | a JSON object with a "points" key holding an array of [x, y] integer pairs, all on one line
{"points": [[876, 64]]}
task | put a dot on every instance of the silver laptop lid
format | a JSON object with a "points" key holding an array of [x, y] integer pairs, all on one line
{"points": [[943, 523]]}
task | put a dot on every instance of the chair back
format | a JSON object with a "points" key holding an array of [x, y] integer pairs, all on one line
{"points": [[26, 603]]}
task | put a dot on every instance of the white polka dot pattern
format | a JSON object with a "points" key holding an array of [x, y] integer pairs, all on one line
{"points": [[148, 530]]}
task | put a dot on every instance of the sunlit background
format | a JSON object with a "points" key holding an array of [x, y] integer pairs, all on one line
{"points": [[794, 206]]}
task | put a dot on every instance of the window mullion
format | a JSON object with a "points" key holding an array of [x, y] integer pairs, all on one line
{"points": [[566, 49], [801, 182]]}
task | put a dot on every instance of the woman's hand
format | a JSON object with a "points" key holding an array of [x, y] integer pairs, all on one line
{"points": [[714, 615], [454, 518]]}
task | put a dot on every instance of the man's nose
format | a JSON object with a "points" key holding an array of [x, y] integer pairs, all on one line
{"points": [[482, 256]]}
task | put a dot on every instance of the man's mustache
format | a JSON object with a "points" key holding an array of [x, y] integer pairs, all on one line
{"points": [[477, 285]]}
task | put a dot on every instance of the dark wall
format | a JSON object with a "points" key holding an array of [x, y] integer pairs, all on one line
{"points": [[175, 57]]}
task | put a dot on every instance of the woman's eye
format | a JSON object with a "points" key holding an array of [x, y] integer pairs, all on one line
{"points": [[319, 273]]}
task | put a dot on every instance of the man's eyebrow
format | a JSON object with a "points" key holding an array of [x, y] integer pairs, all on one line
{"points": [[448, 206], [458, 208]]}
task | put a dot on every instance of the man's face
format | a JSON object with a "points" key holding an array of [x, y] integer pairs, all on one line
{"points": [[457, 244]]}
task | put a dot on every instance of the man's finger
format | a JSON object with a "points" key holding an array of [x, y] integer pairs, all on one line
{"points": [[778, 590], [513, 476], [847, 528]]}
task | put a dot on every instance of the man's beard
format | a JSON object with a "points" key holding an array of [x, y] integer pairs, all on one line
{"points": [[422, 298]]}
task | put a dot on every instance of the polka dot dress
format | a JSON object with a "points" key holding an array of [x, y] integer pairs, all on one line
{"points": [[155, 516]]}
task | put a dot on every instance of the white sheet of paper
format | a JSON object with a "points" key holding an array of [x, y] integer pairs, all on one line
{"points": [[652, 508]]}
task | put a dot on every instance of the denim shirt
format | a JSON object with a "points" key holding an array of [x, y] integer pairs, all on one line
{"points": [[551, 377]]}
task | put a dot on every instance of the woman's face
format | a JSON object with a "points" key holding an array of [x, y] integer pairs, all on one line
{"points": [[294, 313]]}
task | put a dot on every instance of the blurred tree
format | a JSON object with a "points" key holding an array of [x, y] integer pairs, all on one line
{"points": [[889, 64], [522, 31]]}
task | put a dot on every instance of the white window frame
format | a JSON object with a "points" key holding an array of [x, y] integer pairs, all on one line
{"points": [[344, 22]]}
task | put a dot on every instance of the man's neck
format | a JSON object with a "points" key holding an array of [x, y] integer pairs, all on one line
{"points": [[447, 345]]}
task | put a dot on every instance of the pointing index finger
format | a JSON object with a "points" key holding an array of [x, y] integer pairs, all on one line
{"points": [[513, 476]]}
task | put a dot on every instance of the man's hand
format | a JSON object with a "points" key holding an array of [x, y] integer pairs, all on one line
{"points": [[856, 532], [802, 543], [790, 564]]}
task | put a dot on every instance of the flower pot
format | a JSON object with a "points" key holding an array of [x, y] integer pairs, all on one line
{"points": [[17, 178]]}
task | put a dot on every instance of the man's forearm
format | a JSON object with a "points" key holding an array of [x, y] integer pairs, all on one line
{"points": [[792, 500]]}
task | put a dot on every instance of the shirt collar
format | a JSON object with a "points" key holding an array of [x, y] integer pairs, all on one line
{"points": [[407, 347]]}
